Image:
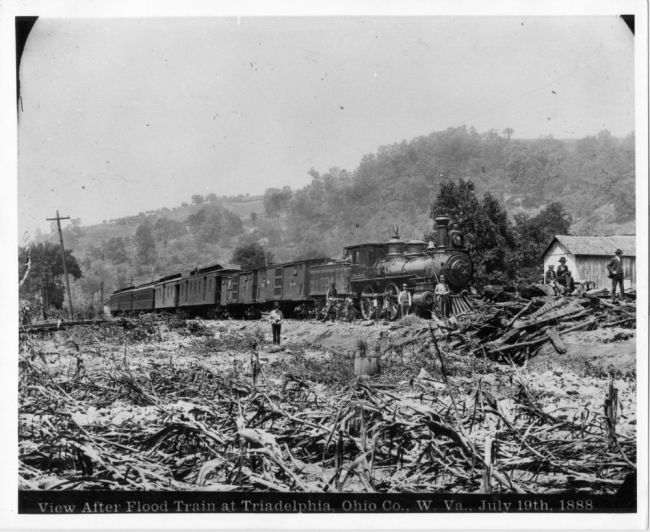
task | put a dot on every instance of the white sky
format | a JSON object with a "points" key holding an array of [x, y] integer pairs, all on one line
{"points": [[125, 115]]}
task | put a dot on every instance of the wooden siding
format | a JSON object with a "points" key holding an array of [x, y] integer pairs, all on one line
{"points": [[321, 277]]}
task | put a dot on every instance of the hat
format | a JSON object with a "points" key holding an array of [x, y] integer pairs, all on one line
{"points": [[551, 266], [618, 252], [562, 259]]}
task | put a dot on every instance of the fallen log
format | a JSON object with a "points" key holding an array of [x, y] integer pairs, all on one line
{"points": [[569, 312], [519, 314], [557, 342]]}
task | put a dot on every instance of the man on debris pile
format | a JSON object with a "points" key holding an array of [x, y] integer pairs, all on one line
{"points": [[550, 274], [564, 277], [615, 268]]}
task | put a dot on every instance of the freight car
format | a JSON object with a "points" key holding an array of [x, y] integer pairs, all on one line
{"points": [[248, 293], [370, 274]]}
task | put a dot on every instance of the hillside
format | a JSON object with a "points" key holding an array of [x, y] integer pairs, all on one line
{"points": [[592, 178]]}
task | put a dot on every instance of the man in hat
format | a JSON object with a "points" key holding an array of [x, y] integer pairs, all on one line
{"points": [[276, 322], [564, 276], [615, 269], [404, 300]]}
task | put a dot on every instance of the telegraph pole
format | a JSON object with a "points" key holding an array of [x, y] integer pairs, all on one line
{"points": [[65, 268]]}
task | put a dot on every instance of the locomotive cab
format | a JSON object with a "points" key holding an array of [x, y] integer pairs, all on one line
{"points": [[365, 254]]}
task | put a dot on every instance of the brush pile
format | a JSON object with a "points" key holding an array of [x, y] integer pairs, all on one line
{"points": [[104, 421], [515, 330]]}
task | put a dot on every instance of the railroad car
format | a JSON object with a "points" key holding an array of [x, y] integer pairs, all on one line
{"points": [[167, 293], [250, 292], [199, 291], [121, 301], [142, 298]]}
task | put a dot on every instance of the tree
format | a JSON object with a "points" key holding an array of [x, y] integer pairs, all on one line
{"points": [[114, 250], [197, 199], [211, 229], [40, 270], [252, 255], [488, 232], [232, 223], [206, 225], [276, 200], [211, 198], [145, 245], [534, 234], [165, 229]]}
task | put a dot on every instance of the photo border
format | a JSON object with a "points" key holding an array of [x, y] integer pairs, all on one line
{"points": [[10, 239]]}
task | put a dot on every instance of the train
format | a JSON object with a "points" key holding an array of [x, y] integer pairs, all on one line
{"points": [[370, 275]]}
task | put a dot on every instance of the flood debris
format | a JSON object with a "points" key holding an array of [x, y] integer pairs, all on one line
{"points": [[121, 413], [515, 330]]}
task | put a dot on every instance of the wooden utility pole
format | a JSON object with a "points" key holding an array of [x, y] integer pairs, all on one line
{"points": [[65, 267]]}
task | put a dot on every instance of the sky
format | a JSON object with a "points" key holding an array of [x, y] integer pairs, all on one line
{"points": [[120, 116]]}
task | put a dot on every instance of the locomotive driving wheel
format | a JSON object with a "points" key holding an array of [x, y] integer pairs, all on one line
{"points": [[390, 308], [368, 303]]}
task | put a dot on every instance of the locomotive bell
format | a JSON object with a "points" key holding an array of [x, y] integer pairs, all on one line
{"points": [[441, 227]]}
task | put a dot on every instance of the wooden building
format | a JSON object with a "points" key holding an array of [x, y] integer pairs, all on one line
{"points": [[587, 257]]}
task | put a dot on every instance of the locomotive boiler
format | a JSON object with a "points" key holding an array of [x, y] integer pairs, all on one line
{"points": [[418, 265]]}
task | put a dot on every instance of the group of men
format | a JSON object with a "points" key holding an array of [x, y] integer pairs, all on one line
{"points": [[332, 311], [441, 302], [562, 279]]}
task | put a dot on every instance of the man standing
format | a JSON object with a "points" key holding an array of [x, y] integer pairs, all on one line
{"points": [[615, 268], [404, 300], [276, 322], [441, 294], [331, 300]]}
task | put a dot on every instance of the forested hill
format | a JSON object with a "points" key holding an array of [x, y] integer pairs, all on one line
{"points": [[593, 178]]}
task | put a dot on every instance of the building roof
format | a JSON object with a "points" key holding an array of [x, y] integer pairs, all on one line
{"points": [[596, 245]]}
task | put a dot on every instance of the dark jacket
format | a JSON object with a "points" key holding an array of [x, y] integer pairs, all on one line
{"points": [[562, 269], [615, 266]]}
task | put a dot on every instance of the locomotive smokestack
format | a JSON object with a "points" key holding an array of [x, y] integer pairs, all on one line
{"points": [[441, 227]]}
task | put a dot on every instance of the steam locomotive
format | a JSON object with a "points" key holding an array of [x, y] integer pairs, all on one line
{"points": [[370, 274]]}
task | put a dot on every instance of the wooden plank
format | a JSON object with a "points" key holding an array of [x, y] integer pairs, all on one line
{"points": [[570, 310], [557, 342]]}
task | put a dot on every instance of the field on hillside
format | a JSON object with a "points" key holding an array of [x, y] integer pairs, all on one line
{"points": [[170, 404]]}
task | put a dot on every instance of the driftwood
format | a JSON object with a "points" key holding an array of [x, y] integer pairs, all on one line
{"points": [[557, 342]]}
